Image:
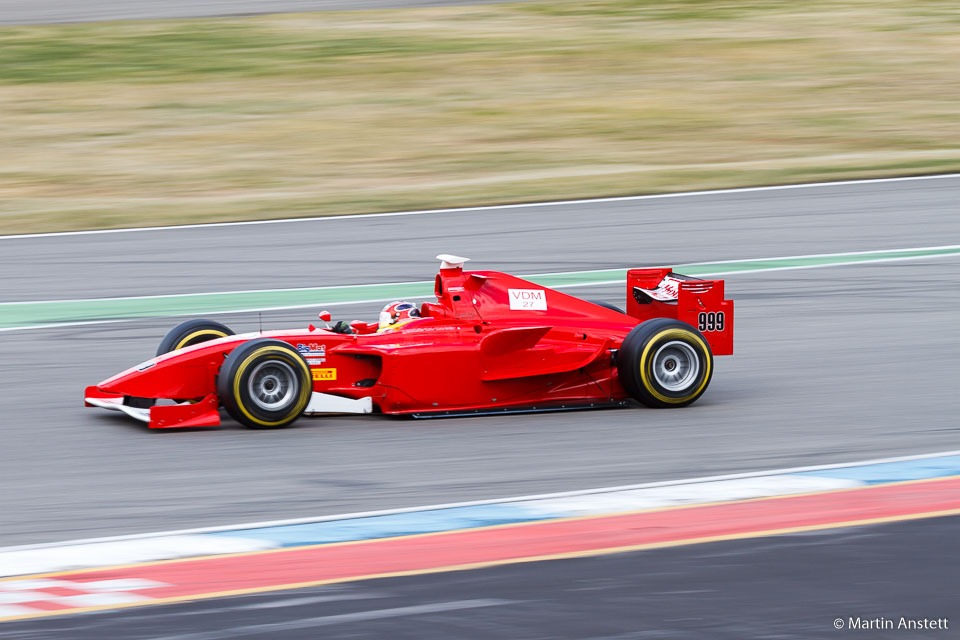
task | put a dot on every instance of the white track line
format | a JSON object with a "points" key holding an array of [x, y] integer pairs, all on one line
{"points": [[162, 296], [597, 283], [210, 313], [451, 505], [525, 205], [946, 247]]}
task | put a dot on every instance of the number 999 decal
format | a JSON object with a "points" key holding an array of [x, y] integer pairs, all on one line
{"points": [[710, 321]]}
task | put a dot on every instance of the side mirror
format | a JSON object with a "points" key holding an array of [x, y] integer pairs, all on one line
{"points": [[325, 318]]}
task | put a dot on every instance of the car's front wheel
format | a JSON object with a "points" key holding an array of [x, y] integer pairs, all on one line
{"points": [[665, 363], [265, 384], [191, 332]]}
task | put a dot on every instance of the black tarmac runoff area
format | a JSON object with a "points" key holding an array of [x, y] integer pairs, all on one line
{"points": [[893, 580]]}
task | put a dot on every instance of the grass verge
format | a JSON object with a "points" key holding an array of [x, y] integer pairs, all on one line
{"points": [[168, 122]]}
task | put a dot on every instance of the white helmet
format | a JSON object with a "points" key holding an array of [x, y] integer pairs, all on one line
{"points": [[397, 313]]}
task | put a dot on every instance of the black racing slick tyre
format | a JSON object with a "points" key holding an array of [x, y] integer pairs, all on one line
{"points": [[606, 305], [190, 333], [265, 384], [665, 363]]}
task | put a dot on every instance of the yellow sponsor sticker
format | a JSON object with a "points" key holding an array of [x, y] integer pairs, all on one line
{"points": [[324, 374]]}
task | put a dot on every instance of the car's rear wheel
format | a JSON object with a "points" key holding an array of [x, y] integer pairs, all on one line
{"points": [[191, 332], [265, 384], [606, 305], [665, 363]]}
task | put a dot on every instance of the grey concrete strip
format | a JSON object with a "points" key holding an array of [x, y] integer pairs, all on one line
{"points": [[582, 202], [561, 237], [13, 12]]}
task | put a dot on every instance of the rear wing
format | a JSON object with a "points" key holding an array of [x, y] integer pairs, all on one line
{"points": [[661, 293]]}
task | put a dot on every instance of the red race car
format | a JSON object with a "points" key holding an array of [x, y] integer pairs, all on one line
{"points": [[491, 343]]}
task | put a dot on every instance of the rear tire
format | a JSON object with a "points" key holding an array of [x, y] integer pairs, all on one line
{"points": [[191, 332], [265, 384], [606, 305], [665, 363]]}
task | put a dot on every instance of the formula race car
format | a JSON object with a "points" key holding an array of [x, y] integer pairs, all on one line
{"points": [[491, 343]]}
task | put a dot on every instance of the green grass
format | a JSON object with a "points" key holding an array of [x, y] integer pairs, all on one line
{"points": [[197, 50], [156, 122]]}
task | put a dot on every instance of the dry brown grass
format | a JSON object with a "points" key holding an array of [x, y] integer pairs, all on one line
{"points": [[333, 113]]}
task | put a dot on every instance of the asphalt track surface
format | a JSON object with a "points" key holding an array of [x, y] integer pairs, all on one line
{"points": [[831, 365], [785, 587], [14, 12]]}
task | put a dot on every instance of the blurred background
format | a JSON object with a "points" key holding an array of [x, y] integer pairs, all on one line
{"points": [[209, 119]]}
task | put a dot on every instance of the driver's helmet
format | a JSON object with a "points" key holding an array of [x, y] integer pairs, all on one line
{"points": [[396, 314]]}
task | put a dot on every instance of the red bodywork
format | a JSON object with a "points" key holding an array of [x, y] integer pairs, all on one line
{"points": [[491, 341]]}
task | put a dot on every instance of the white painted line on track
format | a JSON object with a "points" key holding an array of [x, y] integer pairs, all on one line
{"points": [[472, 503], [522, 205], [211, 313], [161, 296], [944, 247], [596, 283], [824, 265]]}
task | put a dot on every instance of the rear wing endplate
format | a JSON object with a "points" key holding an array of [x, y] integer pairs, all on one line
{"points": [[659, 293]]}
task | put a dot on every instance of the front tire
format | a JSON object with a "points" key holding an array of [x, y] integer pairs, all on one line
{"points": [[265, 384], [665, 363], [192, 332]]}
